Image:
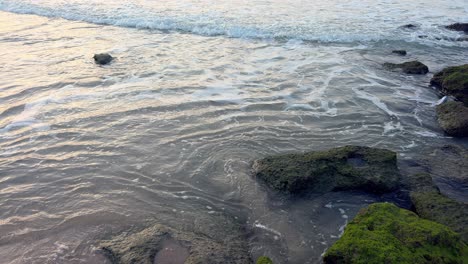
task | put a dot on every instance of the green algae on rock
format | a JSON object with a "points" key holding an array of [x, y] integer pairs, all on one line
{"points": [[385, 233], [430, 204], [453, 81], [222, 242], [410, 67], [345, 168], [264, 260], [453, 118]]}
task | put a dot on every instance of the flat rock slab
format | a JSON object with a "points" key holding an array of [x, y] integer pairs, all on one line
{"points": [[453, 118], [385, 233], [221, 242], [345, 168]]}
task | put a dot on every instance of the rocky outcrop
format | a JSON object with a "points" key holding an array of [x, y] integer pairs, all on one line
{"points": [[222, 241], [410, 67], [103, 58], [430, 204], [453, 81], [453, 118], [385, 233], [399, 52], [459, 27], [345, 168]]}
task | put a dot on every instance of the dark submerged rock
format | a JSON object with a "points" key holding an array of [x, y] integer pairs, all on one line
{"points": [[221, 242], [453, 118], [430, 204], [102, 58], [410, 67], [385, 233], [399, 52], [345, 168], [409, 26], [453, 81], [459, 27]]}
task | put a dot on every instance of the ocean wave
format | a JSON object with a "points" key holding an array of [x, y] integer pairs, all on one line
{"points": [[239, 24]]}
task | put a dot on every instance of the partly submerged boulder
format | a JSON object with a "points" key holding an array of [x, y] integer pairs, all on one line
{"points": [[453, 118], [399, 52], [345, 168], [221, 242], [429, 203], [410, 67], [103, 58], [459, 27], [453, 81], [385, 233]]}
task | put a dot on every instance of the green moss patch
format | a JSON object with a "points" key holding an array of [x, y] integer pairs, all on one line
{"points": [[345, 168], [385, 233]]}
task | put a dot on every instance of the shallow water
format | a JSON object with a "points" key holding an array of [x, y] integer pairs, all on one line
{"points": [[172, 126]]}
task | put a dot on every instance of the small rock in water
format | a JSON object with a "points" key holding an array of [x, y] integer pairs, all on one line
{"points": [[399, 52], [458, 27], [410, 67], [409, 26], [103, 58]]}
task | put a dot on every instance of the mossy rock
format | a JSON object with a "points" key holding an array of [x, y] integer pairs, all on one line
{"points": [[429, 203], [103, 58], [385, 233], [222, 242], [453, 118], [345, 168], [410, 67], [453, 81], [264, 260]]}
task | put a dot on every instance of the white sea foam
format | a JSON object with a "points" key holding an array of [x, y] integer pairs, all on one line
{"points": [[323, 21]]}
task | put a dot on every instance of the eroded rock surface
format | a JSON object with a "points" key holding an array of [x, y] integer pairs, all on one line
{"points": [[220, 241], [345, 168]]}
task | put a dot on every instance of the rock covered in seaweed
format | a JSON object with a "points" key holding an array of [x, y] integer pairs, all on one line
{"points": [[410, 67], [385, 233], [453, 81], [430, 204], [222, 241], [102, 58], [345, 168], [453, 118]]}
